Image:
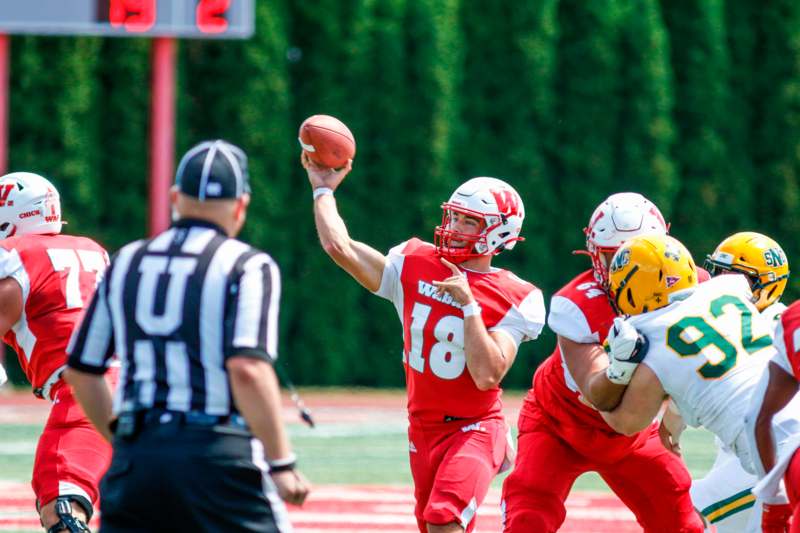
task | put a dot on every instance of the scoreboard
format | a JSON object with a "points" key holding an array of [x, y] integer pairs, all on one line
{"points": [[226, 19]]}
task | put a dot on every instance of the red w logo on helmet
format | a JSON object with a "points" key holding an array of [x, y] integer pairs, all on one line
{"points": [[507, 202], [5, 190]]}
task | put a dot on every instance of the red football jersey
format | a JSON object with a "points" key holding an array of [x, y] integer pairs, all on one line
{"points": [[581, 312], [787, 340], [58, 275], [439, 384]]}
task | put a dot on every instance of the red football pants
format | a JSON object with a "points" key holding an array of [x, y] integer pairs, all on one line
{"points": [[651, 481], [792, 480], [452, 466], [71, 456]]}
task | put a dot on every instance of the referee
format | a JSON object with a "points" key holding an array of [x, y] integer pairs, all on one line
{"points": [[192, 314]]}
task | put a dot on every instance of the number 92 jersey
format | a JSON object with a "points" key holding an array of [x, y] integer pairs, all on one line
{"points": [[58, 275], [439, 384], [709, 351]]}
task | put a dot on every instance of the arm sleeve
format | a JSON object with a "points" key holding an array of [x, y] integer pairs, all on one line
{"points": [[256, 302], [92, 343], [524, 321], [567, 320], [391, 287]]}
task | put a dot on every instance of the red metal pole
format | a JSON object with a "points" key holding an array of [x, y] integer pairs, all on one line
{"points": [[162, 132], [5, 47]]}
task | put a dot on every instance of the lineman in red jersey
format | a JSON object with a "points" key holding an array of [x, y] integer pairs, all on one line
{"points": [[462, 326], [45, 279], [561, 432], [783, 383]]}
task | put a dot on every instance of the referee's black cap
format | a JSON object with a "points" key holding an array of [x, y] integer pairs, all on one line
{"points": [[213, 170]]}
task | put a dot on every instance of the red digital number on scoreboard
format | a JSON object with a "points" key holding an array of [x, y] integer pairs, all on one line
{"points": [[211, 15], [133, 15]]}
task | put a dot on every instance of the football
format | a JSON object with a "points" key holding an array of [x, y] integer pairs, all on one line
{"points": [[327, 141]]}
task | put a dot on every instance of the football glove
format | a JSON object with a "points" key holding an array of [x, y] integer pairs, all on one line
{"points": [[626, 349]]}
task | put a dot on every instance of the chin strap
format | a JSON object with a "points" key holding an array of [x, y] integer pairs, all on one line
{"points": [[67, 521]]}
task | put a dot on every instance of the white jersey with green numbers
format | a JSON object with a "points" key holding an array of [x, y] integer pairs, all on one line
{"points": [[709, 350]]}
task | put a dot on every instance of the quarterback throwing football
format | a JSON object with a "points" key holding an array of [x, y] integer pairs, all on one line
{"points": [[463, 321]]}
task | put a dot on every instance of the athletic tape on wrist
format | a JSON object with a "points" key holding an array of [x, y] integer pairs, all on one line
{"points": [[471, 308], [322, 191]]}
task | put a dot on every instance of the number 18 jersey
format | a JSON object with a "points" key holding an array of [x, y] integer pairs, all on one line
{"points": [[709, 352], [58, 275], [439, 384]]}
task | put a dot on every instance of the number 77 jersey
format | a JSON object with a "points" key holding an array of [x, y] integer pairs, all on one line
{"points": [[440, 387], [709, 351], [58, 275]]}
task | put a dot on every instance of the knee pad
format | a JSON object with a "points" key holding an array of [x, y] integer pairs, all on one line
{"points": [[68, 521]]}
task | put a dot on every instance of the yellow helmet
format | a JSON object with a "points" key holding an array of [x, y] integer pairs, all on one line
{"points": [[646, 270], [759, 258]]}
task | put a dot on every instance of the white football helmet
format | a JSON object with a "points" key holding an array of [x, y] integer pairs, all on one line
{"points": [[620, 217], [29, 204], [496, 204]]}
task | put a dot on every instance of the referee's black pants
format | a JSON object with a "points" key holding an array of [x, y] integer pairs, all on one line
{"points": [[173, 477]]}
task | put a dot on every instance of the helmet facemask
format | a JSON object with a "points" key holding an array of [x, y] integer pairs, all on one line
{"points": [[601, 260], [472, 244]]}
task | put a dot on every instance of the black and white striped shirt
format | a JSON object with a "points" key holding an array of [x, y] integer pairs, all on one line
{"points": [[173, 309]]}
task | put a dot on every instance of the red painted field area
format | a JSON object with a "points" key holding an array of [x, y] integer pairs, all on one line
{"points": [[335, 509]]}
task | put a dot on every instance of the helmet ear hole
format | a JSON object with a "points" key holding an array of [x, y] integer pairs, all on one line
{"points": [[4, 226], [660, 275]]}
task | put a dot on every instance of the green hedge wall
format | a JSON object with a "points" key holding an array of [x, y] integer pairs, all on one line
{"points": [[693, 103]]}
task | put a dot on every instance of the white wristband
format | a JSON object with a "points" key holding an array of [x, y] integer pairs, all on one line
{"points": [[471, 308], [321, 191], [278, 463]]}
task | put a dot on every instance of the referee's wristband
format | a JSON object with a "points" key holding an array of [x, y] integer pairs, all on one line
{"points": [[322, 191], [471, 309], [283, 465]]}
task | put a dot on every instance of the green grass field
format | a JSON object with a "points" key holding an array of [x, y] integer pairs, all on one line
{"points": [[348, 450], [344, 453], [362, 457]]}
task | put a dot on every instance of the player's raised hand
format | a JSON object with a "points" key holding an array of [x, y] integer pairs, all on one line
{"points": [[626, 349], [456, 285], [320, 176]]}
